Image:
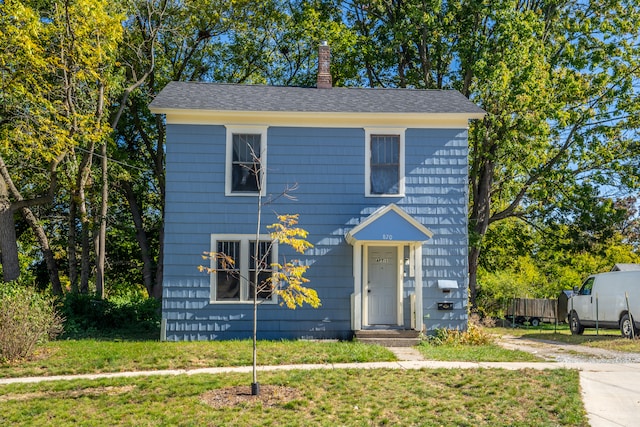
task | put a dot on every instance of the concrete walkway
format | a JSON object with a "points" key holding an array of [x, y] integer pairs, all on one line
{"points": [[406, 353], [610, 391], [407, 364]]}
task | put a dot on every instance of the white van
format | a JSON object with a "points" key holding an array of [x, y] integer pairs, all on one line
{"points": [[609, 299]]}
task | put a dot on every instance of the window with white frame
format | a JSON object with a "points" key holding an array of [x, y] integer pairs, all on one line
{"points": [[235, 263], [246, 160], [384, 162]]}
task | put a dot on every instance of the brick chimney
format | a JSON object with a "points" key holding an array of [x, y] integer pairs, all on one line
{"points": [[324, 66]]}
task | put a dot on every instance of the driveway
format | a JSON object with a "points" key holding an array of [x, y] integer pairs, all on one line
{"points": [[610, 380]]}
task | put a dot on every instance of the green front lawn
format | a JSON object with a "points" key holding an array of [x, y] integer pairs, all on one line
{"points": [[93, 356], [349, 397], [474, 353], [353, 397]]}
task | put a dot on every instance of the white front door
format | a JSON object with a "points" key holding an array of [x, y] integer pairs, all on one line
{"points": [[382, 287]]}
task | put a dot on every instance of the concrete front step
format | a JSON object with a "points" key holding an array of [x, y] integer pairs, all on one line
{"points": [[391, 342], [389, 337]]}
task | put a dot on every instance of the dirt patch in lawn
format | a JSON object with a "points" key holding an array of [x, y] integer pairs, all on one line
{"points": [[93, 391], [270, 396]]}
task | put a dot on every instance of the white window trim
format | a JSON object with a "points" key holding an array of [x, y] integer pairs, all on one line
{"points": [[244, 240], [231, 130], [367, 159]]}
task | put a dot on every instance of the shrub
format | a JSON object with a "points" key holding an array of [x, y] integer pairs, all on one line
{"points": [[88, 316], [474, 335], [28, 318]]}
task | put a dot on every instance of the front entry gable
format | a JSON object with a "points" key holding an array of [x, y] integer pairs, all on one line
{"points": [[379, 261], [389, 224]]}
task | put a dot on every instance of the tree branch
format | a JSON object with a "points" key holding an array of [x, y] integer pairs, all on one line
{"points": [[21, 202]]}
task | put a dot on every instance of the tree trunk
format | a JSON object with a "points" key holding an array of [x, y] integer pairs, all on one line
{"points": [[160, 176], [84, 173], [255, 386], [72, 240], [474, 255], [85, 264], [481, 183], [141, 237], [47, 253], [8, 239], [102, 234], [157, 288]]}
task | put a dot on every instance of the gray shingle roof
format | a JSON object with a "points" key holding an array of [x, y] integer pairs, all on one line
{"points": [[233, 97]]}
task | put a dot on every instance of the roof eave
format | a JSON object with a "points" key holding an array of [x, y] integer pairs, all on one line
{"points": [[317, 119]]}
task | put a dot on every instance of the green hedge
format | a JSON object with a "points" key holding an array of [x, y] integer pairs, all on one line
{"points": [[89, 316]]}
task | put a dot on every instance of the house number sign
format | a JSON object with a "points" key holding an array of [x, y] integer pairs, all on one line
{"points": [[383, 261], [387, 237]]}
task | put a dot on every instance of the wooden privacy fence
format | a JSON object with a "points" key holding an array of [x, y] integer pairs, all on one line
{"points": [[530, 308]]}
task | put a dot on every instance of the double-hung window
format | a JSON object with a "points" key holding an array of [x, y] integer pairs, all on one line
{"points": [[236, 264], [260, 264], [246, 160], [384, 174]]}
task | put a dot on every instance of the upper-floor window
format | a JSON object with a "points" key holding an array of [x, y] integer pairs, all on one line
{"points": [[236, 264], [385, 162], [246, 160]]}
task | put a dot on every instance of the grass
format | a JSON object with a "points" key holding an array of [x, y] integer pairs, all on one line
{"points": [[353, 397], [96, 356], [93, 356], [350, 397], [475, 353], [606, 339]]}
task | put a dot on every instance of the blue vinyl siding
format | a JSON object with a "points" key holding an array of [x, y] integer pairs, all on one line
{"points": [[328, 167], [436, 195]]}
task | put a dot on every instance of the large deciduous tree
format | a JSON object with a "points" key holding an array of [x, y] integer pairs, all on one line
{"points": [[164, 41], [30, 135], [56, 69], [86, 39], [558, 79]]}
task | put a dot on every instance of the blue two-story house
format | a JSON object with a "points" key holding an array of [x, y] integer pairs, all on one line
{"points": [[381, 179]]}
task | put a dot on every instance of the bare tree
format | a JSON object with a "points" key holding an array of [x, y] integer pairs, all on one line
{"points": [[286, 279]]}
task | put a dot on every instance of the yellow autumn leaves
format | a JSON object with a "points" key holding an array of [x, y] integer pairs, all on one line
{"points": [[287, 281]]}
